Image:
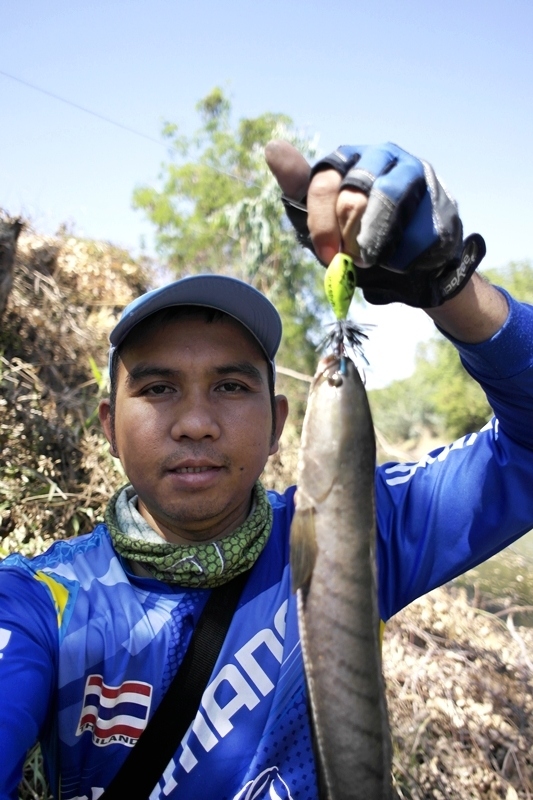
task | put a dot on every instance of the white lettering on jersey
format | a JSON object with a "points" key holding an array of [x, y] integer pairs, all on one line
{"points": [[264, 643], [246, 658], [261, 646], [206, 737], [219, 715], [5, 636], [401, 473], [169, 784]]}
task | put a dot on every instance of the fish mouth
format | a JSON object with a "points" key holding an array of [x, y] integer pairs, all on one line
{"points": [[329, 362], [333, 366], [329, 370]]}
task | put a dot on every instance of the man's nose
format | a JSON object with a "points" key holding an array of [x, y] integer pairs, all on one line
{"points": [[195, 418]]}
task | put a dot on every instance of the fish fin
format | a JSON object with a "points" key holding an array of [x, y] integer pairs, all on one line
{"points": [[303, 547]]}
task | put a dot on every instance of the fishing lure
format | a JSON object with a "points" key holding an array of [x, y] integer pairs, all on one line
{"points": [[340, 282]]}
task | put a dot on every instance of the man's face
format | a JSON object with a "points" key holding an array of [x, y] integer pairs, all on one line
{"points": [[193, 424]]}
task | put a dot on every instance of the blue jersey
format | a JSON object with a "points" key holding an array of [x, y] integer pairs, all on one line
{"points": [[87, 649]]}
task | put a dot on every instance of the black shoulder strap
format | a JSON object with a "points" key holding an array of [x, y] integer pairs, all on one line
{"points": [[159, 741]]}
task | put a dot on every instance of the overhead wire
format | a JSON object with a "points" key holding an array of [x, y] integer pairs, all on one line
{"points": [[115, 122], [81, 108]]}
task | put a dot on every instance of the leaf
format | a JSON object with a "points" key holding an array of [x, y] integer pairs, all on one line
{"points": [[97, 374]]}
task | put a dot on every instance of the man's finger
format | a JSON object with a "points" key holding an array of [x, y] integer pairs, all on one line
{"points": [[322, 215], [289, 168], [351, 205]]}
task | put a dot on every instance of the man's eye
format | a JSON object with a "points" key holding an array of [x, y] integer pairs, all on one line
{"points": [[157, 390], [230, 387]]}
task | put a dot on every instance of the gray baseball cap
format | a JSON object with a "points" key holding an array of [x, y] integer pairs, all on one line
{"points": [[230, 295]]}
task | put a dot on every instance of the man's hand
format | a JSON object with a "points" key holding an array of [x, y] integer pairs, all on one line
{"points": [[388, 211]]}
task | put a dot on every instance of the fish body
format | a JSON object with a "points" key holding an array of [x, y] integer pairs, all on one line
{"points": [[333, 568]]}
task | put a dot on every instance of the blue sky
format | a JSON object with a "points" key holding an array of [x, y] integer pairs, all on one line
{"points": [[451, 82]]}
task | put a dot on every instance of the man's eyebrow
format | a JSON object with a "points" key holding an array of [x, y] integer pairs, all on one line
{"points": [[242, 367], [142, 371]]}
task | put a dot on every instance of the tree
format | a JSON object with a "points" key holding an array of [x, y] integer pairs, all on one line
{"points": [[218, 209], [456, 400], [401, 410], [458, 403], [516, 277]]}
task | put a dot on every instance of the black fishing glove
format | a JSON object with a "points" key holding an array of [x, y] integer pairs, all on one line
{"points": [[411, 235]]}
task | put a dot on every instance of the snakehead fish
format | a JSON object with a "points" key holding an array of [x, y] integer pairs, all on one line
{"points": [[333, 569]]}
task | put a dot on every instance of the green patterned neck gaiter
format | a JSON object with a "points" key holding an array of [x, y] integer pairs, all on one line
{"points": [[203, 565]]}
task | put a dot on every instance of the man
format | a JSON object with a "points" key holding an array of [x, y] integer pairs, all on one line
{"points": [[93, 631]]}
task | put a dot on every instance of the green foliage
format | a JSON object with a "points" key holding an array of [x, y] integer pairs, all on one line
{"points": [[401, 411], [516, 277], [452, 400], [458, 404], [217, 209]]}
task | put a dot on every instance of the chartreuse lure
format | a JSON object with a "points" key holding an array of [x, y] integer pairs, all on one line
{"points": [[340, 282]]}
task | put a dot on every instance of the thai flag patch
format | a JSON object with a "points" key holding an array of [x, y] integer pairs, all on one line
{"points": [[114, 714]]}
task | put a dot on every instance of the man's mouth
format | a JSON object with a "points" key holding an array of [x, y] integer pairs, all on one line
{"points": [[183, 470]]}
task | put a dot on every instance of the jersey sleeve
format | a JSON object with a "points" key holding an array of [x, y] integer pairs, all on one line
{"points": [[28, 663], [461, 504]]}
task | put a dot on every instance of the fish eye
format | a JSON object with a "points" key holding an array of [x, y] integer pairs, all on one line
{"points": [[336, 379]]}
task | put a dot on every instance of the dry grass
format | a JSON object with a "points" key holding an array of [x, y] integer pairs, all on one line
{"points": [[460, 700], [55, 473]]}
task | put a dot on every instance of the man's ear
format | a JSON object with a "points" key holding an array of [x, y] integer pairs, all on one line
{"points": [[282, 410], [107, 423]]}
